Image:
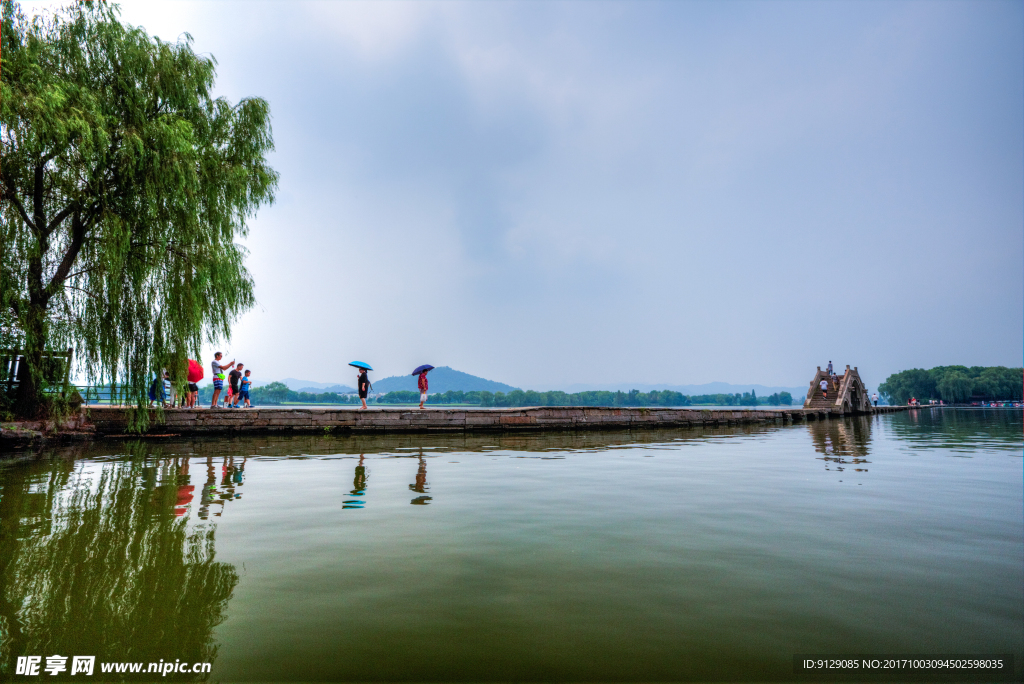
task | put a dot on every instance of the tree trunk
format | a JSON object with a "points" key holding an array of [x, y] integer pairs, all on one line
{"points": [[27, 403]]}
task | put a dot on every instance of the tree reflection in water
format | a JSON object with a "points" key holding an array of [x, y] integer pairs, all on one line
{"points": [[962, 431], [100, 560], [842, 442]]}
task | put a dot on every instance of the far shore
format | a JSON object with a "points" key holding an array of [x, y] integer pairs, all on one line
{"points": [[341, 407]]}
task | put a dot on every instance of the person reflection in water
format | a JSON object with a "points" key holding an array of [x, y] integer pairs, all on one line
{"points": [[358, 485], [239, 475], [231, 477], [359, 482], [209, 489], [420, 486], [186, 491]]}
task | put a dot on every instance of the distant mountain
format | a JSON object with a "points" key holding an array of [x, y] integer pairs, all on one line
{"points": [[707, 388], [337, 389], [317, 387], [441, 379]]}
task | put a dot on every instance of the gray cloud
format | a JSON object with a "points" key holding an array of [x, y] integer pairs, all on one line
{"points": [[549, 193]]}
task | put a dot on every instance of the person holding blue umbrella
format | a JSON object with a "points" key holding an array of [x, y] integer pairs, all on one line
{"points": [[422, 383], [362, 382]]}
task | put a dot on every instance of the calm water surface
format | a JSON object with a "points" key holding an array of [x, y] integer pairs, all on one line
{"points": [[689, 554]]}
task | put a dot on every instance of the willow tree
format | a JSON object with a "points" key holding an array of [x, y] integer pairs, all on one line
{"points": [[125, 184]]}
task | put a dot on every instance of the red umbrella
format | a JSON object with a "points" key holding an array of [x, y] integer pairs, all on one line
{"points": [[195, 371]]}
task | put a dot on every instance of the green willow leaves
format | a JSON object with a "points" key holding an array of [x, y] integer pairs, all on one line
{"points": [[125, 185]]}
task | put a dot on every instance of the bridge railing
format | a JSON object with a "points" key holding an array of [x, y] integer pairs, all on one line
{"points": [[55, 368]]}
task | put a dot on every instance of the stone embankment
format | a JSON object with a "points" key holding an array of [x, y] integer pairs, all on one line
{"points": [[73, 428], [114, 421]]}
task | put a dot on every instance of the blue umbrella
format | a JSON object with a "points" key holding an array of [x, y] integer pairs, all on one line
{"points": [[422, 369], [360, 364]]}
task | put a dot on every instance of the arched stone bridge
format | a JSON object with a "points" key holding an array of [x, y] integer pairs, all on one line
{"points": [[846, 393]]}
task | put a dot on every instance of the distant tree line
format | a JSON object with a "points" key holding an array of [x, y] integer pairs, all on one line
{"points": [[601, 398], [278, 393], [954, 384]]}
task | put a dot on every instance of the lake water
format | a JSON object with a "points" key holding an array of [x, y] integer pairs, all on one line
{"points": [[674, 555]]}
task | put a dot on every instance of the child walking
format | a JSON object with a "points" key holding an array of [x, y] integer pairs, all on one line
{"points": [[246, 384]]}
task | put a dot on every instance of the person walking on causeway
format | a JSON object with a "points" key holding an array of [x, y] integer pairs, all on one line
{"points": [[824, 388], [363, 383], [423, 387]]}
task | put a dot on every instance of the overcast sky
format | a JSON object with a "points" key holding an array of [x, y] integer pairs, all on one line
{"points": [[599, 192]]}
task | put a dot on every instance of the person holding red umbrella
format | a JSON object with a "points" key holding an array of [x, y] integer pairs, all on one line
{"points": [[195, 374], [422, 371]]}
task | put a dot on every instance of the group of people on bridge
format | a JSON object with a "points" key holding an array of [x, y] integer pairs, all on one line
{"points": [[831, 376]]}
